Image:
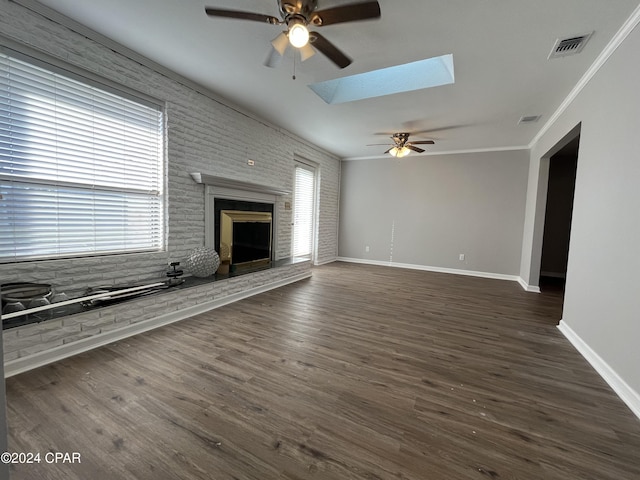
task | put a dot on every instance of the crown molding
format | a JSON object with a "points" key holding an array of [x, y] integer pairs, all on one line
{"points": [[446, 152]]}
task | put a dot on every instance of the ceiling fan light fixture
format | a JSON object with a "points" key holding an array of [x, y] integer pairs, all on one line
{"points": [[280, 43], [298, 34], [399, 152], [307, 52], [403, 152]]}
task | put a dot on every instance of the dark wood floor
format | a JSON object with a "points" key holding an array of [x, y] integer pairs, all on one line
{"points": [[361, 372]]}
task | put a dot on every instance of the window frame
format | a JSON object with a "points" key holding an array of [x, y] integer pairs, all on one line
{"points": [[314, 169], [40, 59]]}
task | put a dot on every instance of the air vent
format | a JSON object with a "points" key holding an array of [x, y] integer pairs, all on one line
{"points": [[529, 119], [569, 46]]}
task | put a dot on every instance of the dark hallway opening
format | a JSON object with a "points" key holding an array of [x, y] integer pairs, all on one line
{"points": [[557, 225]]}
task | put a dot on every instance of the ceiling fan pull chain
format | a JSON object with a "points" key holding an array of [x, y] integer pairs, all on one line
{"points": [[294, 65]]}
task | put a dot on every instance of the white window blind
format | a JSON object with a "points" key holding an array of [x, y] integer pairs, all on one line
{"points": [[303, 210], [80, 166]]}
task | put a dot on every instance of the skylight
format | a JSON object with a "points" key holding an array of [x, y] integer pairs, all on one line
{"points": [[432, 72]]}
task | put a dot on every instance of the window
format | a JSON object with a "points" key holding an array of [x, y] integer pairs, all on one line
{"points": [[80, 165], [303, 201]]}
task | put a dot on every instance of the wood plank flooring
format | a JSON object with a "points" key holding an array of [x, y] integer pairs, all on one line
{"points": [[361, 372]]}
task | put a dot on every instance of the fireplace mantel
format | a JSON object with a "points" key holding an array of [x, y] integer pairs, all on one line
{"points": [[222, 182], [230, 189]]}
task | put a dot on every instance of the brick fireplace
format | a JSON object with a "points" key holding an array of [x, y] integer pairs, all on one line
{"points": [[242, 220]]}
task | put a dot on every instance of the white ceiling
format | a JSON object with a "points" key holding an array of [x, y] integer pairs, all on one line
{"points": [[499, 47]]}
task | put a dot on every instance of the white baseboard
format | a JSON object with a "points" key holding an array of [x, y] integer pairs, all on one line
{"points": [[527, 287], [23, 364], [627, 394], [324, 262], [426, 268]]}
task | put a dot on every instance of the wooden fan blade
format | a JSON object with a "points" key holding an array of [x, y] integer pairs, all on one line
{"points": [[346, 13], [417, 128], [423, 142], [330, 50], [240, 15], [415, 149]]}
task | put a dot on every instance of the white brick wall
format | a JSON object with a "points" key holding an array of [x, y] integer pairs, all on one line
{"points": [[203, 135], [329, 209]]}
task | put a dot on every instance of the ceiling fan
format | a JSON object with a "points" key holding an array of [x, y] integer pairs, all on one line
{"points": [[298, 16], [402, 146]]}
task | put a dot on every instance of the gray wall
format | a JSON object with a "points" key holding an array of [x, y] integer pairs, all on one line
{"points": [[204, 135], [602, 301], [426, 210]]}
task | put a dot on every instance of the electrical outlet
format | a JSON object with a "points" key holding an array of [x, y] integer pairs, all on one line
{"points": [[461, 257], [366, 248]]}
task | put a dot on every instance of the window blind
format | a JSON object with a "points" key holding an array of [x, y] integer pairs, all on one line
{"points": [[303, 210], [80, 167]]}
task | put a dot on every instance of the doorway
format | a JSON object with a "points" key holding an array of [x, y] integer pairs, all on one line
{"points": [[557, 221]]}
